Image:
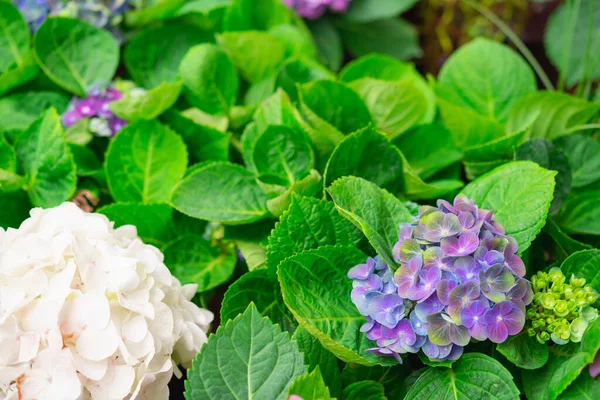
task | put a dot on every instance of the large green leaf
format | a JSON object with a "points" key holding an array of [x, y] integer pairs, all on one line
{"points": [[487, 77], [369, 10], [193, 259], [373, 210], [364, 390], [584, 388], [20, 74], [19, 110], [261, 288], [317, 356], [580, 213], [211, 80], [307, 224], [153, 55], [572, 40], [329, 42], [297, 71], [584, 264], [311, 386], [524, 351], [395, 106], [583, 154], [565, 245], [257, 55], [154, 222], [76, 55], [230, 194], [473, 376], [520, 194], [44, 156], [549, 114], [366, 154], [144, 163], [14, 209], [147, 105], [317, 291], [248, 357], [259, 15], [564, 366]]}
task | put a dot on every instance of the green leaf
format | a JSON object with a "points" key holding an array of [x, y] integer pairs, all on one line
{"points": [[79, 132], [147, 105], [311, 386], [211, 80], [365, 154], [364, 390], [310, 185], [277, 110], [369, 10], [86, 160], [475, 169], [487, 77], [153, 12], [230, 194], [580, 213], [45, 157], [583, 154], [329, 42], [153, 55], [192, 259], [144, 163], [317, 356], [258, 15], [19, 110], [300, 70], [317, 291], [203, 142], [15, 208], [392, 36], [373, 210], [76, 55], [256, 55], [564, 365], [262, 289], [248, 357], [565, 245], [395, 106], [281, 152], [218, 122], [19, 74], [524, 351], [389, 377], [14, 36], [549, 114], [428, 149], [584, 264], [336, 104], [520, 194], [473, 376], [307, 224], [154, 222], [572, 40], [544, 153], [501, 148], [584, 388], [296, 41]]}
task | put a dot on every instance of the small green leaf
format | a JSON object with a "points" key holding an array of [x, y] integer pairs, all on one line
{"points": [[317, 356], [297, 42], [580, 213], [154, 222], [584, 264], [192, 259], [86, 160], [364, 390], [248, 357], [317, 291], [365, 154], [520, 194], [300, 70], [583, 154], [211, 80], [144, 163], [311, 386], [75, 54], [524, 351], [259, 15], [44, 156], [373, 210], [310, 185], [19, 110], [390, 377], [262, 289], [329, 42], [487, 77], [368, 10], [153, 55], [475, 169], [473, 376], [147, 105], [307, 224], [501, 148], [257, 55], [230, 194]]}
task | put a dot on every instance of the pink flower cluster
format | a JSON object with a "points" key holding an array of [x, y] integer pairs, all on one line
{"points": [[313, 9]]}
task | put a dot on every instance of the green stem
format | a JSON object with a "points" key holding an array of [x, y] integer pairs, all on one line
{"points": [[586, 58], [586, 127], [516, 41], [566, 46]]}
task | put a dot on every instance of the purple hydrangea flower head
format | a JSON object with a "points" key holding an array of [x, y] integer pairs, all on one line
{"points": [[96, 109], [313, 9], [458, 276]]}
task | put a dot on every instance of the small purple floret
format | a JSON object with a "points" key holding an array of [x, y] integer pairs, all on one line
{"points": [[313, 9], [96, 108]]}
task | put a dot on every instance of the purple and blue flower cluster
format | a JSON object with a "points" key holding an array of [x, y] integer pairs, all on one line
{"points": [[96, 107], [313, 9], [458, 278]]}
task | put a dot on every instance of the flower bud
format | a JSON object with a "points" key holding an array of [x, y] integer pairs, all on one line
{"points": [[548, 300], [577, 282]]}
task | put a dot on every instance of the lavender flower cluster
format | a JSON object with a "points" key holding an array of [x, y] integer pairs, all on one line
{"points": [[458, 278], [96, 107], [313, 9]]}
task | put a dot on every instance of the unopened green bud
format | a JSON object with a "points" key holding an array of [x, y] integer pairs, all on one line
{"points": [[531, 314], [548, 300], [577, 282], [531, 332], [562, 331], [544, 336], [538, 324], [588, 313], [540, 284], [578, 326], [561, 308], [569, 293]]}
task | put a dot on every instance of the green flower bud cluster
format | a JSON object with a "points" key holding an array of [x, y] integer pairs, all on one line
{"points": [[561, 310]]}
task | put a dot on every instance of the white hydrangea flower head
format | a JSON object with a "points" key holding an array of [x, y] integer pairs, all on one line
{"points": [[88, 311]]}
